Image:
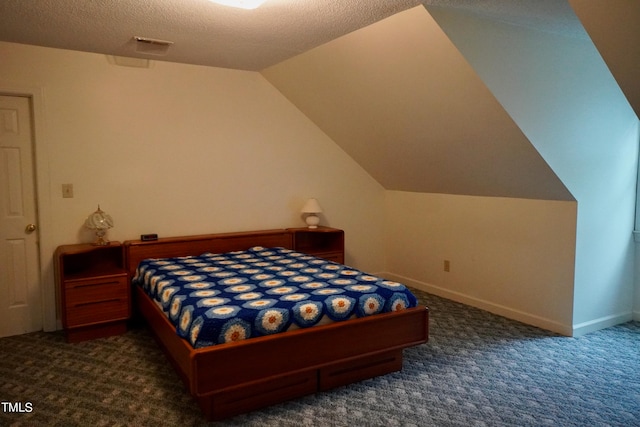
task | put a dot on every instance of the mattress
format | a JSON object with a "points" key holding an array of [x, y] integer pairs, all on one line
{"points": [[219, 298]]}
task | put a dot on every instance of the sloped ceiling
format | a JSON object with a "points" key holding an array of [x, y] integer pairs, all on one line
{"points": [[614, 27], [551, 16], [396, 95], [403, 102]]}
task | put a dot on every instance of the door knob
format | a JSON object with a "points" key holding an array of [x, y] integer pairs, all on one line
{"points": [[30, 228]]}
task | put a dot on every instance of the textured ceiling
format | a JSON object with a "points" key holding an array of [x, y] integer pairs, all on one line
{"points": [[203, 33], [209, 34]]}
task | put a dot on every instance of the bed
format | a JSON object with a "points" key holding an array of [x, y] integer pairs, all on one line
{"points": [[229, 378]]}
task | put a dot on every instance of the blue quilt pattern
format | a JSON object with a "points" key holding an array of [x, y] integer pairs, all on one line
{"points": [[219, 298]]}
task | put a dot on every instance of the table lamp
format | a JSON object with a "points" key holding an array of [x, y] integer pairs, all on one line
{"points": [[311, 209], [100, 222]]}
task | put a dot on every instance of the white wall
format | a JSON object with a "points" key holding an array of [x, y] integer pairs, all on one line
{"points": [[563, 97], [513, 257], [636, 299], [178, 149]]}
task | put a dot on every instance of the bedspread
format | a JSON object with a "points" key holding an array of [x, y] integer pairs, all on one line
{"points": [[218, 298]]}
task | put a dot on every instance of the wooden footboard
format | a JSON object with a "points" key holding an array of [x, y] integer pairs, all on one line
{"points": [[234, 378]]}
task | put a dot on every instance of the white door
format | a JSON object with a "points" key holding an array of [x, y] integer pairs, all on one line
{"points": [[20, 292]]}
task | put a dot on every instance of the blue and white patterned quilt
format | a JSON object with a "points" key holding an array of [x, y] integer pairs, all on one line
{"points": [[219, 298]]}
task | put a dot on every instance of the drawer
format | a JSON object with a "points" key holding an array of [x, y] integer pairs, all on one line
{"points": [[97, 312], [96, 300], [95, 289], [360, 368]]}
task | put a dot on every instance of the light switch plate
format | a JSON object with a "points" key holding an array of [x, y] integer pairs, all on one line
{"points": [[67, 191]]}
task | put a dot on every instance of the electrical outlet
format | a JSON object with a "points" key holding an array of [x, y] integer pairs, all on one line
{"points": [[447, 265], [67, 191]]}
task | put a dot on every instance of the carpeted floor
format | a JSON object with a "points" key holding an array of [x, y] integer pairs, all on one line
{"points": [[478, 369]]}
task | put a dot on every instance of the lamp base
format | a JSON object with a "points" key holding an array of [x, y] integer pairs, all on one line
{"points": [[312, 221], [100, 239]]}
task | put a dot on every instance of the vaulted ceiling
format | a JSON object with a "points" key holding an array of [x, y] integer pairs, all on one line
{"points": [[614, 27], [401, 100], [378, 76]]}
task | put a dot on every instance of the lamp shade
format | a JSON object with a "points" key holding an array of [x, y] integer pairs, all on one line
{"points": [[311, 207]]}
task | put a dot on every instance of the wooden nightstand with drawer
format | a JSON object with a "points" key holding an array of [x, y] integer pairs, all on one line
{"points": [[94, 290]]}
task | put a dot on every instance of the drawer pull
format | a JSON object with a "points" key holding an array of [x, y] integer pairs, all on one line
{"points": [[86, 285], [97, 302]]}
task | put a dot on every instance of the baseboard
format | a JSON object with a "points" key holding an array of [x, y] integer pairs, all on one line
{"points": [[601, 323], [498, 309]]}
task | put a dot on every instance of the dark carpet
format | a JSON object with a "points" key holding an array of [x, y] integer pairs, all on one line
{"points": [[478, 369]]}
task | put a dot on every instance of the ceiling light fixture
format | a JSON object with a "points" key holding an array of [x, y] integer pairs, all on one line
{"points": [[243, 4]]}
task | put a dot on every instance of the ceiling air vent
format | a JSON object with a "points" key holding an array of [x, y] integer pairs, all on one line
{"points": [[152, 46]]}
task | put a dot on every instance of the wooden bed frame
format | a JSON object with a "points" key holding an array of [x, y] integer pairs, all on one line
{"points": [[234, 378]]}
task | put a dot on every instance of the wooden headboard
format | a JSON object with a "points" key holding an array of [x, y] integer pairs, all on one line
{"points": [[137, 250]]}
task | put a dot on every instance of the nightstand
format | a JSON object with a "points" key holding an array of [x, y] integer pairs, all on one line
{"points": [[323, 242], [94, 290]]}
